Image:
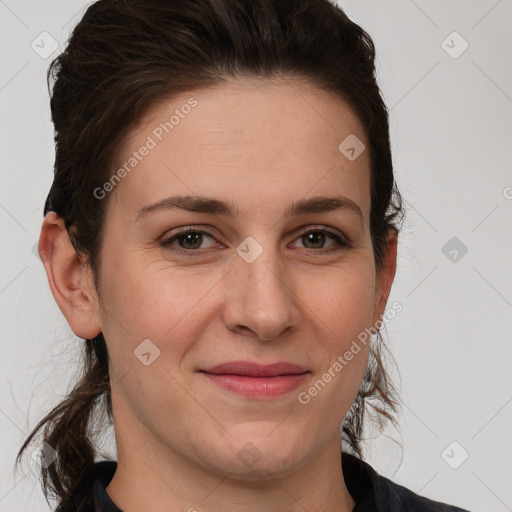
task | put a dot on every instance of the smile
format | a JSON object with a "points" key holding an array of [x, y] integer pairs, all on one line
{"points": [[258, 387]]}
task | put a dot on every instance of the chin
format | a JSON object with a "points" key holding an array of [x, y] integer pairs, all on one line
{"points": [[257, 457]]}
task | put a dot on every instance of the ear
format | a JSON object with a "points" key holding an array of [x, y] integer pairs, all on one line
{"points": [[70, 281], [385, 276]]}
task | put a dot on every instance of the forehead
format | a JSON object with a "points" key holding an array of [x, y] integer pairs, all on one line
{"points": [[255, 141]]}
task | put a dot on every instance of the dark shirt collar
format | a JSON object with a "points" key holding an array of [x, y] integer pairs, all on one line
{"points": [[102, 500]]}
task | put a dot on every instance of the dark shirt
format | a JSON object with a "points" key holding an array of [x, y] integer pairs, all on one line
{"points": [[371, 492]]}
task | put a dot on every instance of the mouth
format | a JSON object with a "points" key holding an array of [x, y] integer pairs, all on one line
{"points": [[255, 380]]}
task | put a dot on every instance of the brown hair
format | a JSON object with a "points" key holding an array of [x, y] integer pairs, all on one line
{"points": [[125, 55]]}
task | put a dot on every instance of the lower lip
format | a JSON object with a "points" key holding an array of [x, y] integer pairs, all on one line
{"points": [[258, 387]]}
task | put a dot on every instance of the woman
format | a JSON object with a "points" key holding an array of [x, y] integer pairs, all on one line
{"points": [[222, 231]]}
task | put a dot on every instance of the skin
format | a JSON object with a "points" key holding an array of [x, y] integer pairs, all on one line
{"points": [[261, 145]]}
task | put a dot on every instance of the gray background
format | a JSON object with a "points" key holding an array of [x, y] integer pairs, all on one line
{"points": [[452, 136]]}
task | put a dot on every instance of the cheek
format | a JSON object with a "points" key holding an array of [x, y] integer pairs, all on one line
{"points": [[162, 307], [150, 298], [142, 303], [342, 307], [342, 301]]}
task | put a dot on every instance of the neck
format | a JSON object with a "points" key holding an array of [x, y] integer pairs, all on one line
{"points": [[174, 482]]}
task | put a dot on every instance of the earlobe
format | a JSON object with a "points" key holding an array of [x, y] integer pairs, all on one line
{"points": [[70, 280], [386, 275]]}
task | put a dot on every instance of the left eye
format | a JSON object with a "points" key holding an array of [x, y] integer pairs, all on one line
{"points": [[317, 236], [191, 239]]}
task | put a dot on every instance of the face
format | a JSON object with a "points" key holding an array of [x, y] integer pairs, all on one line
{"points": [[262, 286]]}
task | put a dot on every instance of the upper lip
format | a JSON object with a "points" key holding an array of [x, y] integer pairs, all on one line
{"points": [[251, 369]]}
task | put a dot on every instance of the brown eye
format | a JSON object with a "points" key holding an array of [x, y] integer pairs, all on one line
{"points": [[316, 239], [189, 241]]}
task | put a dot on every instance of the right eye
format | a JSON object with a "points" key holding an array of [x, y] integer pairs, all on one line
{"points": [[190, 236]]}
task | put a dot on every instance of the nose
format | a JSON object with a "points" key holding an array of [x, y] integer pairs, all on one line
{"points": [[259, 297]]}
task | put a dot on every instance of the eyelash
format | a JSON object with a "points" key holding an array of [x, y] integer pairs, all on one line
{"points": [[166, 243]]}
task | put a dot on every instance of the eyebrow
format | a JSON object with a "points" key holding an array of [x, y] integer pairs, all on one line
{"points": [[201, 204]]}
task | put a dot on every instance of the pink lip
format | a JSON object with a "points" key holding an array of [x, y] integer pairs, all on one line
{"points": [[256, 370], [255, 380]]}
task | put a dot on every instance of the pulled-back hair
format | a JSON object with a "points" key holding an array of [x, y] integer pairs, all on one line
{"points": [[123, 57]]}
